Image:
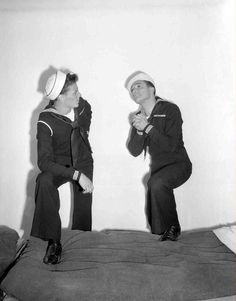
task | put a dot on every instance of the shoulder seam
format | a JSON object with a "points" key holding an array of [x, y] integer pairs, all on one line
{"points": [[41, 121]]}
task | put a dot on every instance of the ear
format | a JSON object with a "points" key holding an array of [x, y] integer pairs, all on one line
{"points": [[61, 97], [152, 89]]}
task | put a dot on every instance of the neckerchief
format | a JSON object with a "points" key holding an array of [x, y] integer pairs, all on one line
{"points": [[75, 133]]}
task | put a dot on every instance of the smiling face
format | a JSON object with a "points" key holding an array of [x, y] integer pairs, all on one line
{"points": [[71, 96], [140, 91]]}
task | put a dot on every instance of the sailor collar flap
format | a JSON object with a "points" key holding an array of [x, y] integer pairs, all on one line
{"points": [[64, 118]]}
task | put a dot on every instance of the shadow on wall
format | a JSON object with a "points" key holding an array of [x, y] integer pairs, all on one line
{"points": [[146, 176], [145, 181], [32, 175]]}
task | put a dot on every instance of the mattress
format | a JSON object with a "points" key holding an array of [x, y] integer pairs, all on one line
{"points": [[125, 265]]}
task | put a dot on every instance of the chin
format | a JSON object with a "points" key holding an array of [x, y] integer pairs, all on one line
{"points": [[139, 101]]}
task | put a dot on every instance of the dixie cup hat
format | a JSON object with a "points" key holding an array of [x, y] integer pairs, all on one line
{"points": [[55, 84], [138, 75]]}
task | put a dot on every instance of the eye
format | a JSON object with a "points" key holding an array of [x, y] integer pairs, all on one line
{"points": [[137, 86]]}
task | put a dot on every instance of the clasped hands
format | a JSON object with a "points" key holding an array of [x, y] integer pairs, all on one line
{"points": [[139, 121]]}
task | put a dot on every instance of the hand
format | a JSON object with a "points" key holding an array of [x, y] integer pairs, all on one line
{"points": [[131, 118], [85, 183], [139, 122]]}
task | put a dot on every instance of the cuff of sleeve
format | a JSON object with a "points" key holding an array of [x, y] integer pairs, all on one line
{"points": [[148, 128], [76, 175]]}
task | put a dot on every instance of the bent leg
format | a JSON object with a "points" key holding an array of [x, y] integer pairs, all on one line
{"points": [[46, 222], [162, 205], [161, 200]]}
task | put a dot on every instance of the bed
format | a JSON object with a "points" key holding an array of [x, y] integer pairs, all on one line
{"points": [[125, 265]]}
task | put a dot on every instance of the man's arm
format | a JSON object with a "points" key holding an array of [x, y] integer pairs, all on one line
{"points": [[84, 114], [136, 142]]}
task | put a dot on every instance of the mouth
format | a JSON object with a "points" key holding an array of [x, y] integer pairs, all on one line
{"points": [[136, 96]]}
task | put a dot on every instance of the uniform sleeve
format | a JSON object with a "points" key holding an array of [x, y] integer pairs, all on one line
{"points": [[136, 142], [84, 115], [168, 137], [46, 160]]}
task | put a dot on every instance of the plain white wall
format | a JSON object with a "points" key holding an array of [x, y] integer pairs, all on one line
{"points": [[188, 47]]}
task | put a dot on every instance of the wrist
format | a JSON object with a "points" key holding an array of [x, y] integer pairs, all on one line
{"points": [[76, 175], [147, 128]]}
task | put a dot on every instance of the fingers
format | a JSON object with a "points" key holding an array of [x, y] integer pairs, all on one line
{"points": [[139, 120], [136, 124], [136, 121], [85, 191], [86, 184], [140, 117], [88, 189], [140, 124]]}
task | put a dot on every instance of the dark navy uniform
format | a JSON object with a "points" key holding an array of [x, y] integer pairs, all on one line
{"points": [[63, 147], [170, 164]]}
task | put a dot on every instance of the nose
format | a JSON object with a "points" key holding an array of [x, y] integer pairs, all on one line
{"points": [[78, 94], [135, 92]]}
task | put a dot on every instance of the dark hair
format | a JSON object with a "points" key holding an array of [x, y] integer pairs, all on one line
{"points": [[71, 78], [149, 84]]}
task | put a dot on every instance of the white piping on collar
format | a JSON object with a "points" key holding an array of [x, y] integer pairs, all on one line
{"points": [[40, 121]]}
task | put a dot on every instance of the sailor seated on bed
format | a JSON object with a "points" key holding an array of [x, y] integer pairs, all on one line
{"points": [[64, 154]]}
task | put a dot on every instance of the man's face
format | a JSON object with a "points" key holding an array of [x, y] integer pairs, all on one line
{"points": [[72, 96], [140, 91]]}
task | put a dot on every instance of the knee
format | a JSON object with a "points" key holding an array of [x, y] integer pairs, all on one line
{"points": [[45, 179], [156, 185]]}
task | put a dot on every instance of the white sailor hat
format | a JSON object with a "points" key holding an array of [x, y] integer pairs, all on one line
{"points": [[138, 75], [55, 84]]}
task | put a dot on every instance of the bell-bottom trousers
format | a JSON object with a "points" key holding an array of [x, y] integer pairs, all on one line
{"points": [[161, 206], [46, 221]]}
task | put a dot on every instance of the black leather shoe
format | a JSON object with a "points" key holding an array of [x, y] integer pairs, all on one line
{"points": [[53, 252], [171, 233]]}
